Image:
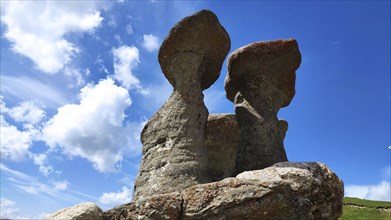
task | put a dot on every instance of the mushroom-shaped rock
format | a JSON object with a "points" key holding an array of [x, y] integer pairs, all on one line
{"points": [[173, 140], [261, 80], [202, 35], [221, 140]]}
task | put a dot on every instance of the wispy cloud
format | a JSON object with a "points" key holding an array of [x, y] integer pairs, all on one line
{"points": [[42, 162], [30, 185], [25, 88], [380, 191]]}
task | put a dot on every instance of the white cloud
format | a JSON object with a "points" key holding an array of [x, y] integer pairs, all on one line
{"points": [[27, 112], [42, 162], [61, 185], [14, 144], [380, 191], [150, 42], [8, 210], [36, 29], [126, 58], [94, 128], [115, 198]]}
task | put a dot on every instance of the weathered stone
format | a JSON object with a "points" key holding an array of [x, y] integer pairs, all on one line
{"points": [[221, 140], [202, 34], [163, 206], [283, 191], [260, 81], [83, 211], [173, 140]]}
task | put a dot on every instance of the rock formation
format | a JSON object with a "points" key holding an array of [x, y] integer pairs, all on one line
{"points": [[260, 81], [221, 140], [83, 211], [174, 155], [282, 191], [184, 149]]}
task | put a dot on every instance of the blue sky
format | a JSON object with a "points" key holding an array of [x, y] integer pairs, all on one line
{"points": [[79, 80]]}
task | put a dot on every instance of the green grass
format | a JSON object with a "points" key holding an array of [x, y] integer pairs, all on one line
{"points": [[366, 203], [359, 209]]}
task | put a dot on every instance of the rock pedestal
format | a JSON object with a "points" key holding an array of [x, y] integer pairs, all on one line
{"points": [[174, 155], [221, 140], [260, 81]]}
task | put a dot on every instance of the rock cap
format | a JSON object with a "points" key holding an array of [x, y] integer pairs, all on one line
{"points": [[202, 34], [274, 62]]}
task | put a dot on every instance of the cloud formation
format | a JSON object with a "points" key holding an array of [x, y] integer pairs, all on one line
{"points": [[126, 58], [380, 192], [93, 129], [25, 112], [37, 29], [150, 42], [25, 88], [14, 144], [114, 198], [8, 209], [42, 162]]}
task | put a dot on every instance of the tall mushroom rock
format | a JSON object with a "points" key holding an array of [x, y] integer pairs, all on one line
{"points": [[173, 140], [261, 80]]}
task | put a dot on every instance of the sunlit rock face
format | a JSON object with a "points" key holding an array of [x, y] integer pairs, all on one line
{"points": [[173, 140]]}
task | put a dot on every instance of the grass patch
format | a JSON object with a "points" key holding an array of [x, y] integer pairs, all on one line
{"points": [[366, 203], [359, 209]]}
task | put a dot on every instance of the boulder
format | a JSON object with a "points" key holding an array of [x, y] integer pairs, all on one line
{"points": [[283, 191], [221, 141], [83, 211]]}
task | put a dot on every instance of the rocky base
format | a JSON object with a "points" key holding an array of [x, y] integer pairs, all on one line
{"points": [[83, 211], [283, 191]]}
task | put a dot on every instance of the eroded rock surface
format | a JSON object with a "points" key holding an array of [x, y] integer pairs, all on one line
{"points": [[163, 206], [83, 211], [260, 81], [284, 191], [221, 140], [173, 140]]}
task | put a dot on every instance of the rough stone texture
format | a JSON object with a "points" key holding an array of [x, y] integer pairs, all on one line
{"points": [[260, 81], [173, 140], [284, 191], [83, 211], [202, 34], [164, 206], [221, 140]]}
